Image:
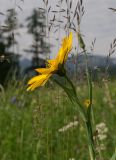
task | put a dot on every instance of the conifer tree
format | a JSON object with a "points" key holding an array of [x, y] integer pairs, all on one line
{"points": [[36, 27], [10, 34], [9, 59]]}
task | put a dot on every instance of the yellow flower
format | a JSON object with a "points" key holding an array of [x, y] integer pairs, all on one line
{"points": [[53, 65], [87, 103]]}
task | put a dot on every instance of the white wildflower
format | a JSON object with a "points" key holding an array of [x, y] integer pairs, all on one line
{"points": [[102, 137], [68, 126], [101, 147], [71, 158], [102, 131]]}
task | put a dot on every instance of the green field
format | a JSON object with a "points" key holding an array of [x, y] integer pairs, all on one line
{"points": [[37, 125]]}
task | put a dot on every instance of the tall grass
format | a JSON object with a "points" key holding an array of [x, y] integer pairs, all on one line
{"points": [[31, 124], [44, 124]]}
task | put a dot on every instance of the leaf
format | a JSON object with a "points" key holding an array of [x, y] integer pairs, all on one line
{"points": [[114, 156], [20, 8], [46, 2], [80, 40], [81, 2], [113, 9], [49, 9], [70, 4], [54, 11], [1, 13]]}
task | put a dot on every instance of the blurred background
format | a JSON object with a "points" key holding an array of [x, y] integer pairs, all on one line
{"points": [[30, 33], [43, 124]]}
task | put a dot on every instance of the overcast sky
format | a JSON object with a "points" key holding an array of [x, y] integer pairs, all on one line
{"points": [[98, 22]]}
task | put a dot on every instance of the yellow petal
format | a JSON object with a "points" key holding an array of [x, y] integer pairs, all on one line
{"points": [[52, 62], [38, 81], [87, 103], [69, 46], [65, 49], [52, 65], [43, 70]]}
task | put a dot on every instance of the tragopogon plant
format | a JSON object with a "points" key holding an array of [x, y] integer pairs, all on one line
{"points": [[56, 66]]}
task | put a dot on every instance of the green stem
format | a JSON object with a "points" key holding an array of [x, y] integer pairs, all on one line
{"points": [[90, 141], [85, 116], [87, 122], [89, 111], [89, 81], [81, 109]]}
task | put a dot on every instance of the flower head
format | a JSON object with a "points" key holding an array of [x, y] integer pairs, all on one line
{"points": [[53, 65], [87, 103]]}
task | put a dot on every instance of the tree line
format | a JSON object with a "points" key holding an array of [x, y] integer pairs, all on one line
{"points": [[9, 53]]}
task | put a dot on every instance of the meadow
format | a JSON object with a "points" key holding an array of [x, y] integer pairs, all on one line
{"points": [[44, 125], [71, 119]]}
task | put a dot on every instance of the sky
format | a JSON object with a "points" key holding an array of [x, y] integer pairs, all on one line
{"points": [[98, 22]]}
